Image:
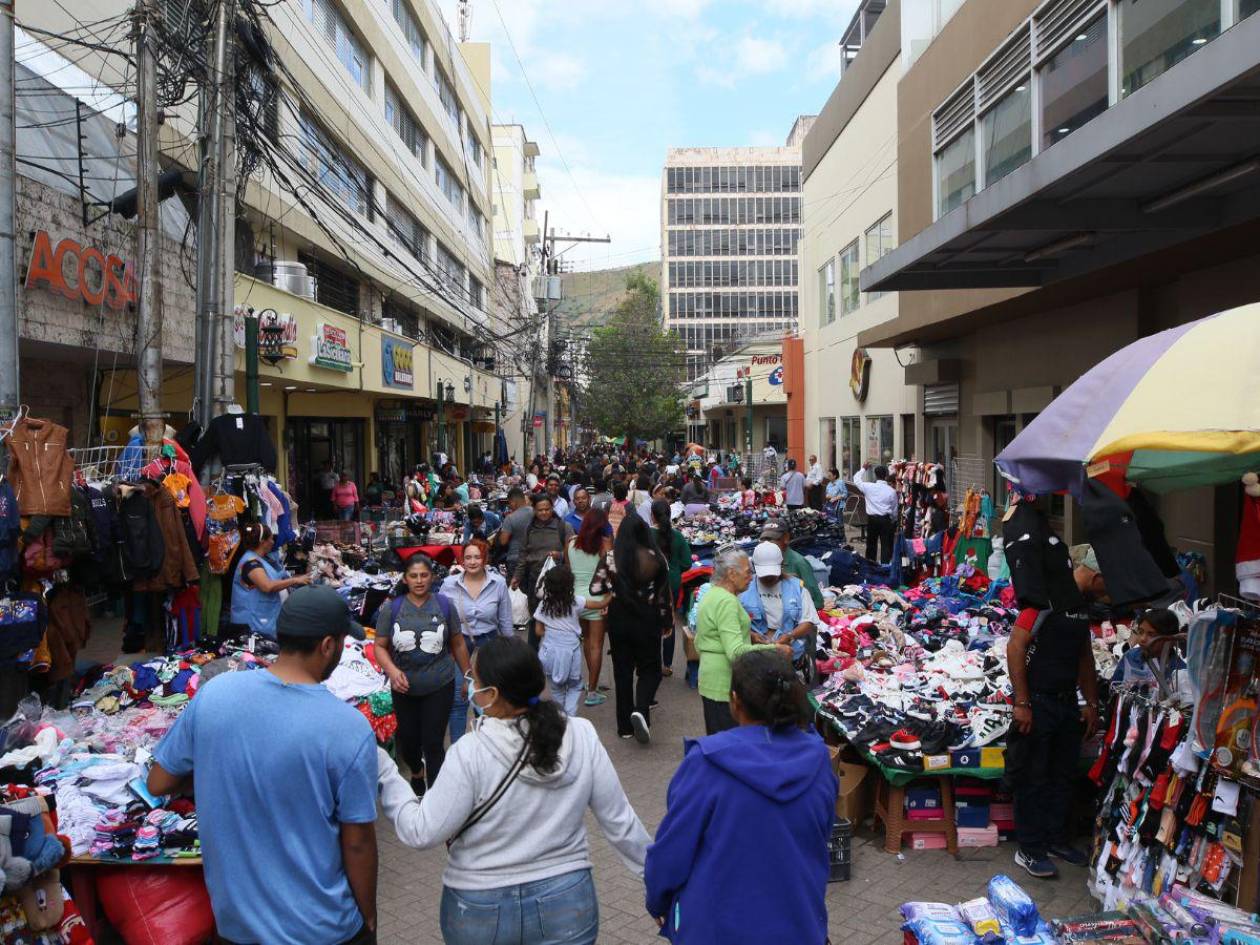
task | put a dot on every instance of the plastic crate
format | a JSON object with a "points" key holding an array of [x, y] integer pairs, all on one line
{"points": [[840, 852]]}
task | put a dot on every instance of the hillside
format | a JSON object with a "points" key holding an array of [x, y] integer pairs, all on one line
{"points": [[589, 296]]}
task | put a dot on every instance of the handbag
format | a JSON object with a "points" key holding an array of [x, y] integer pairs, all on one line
{"points": [[483, 808]]}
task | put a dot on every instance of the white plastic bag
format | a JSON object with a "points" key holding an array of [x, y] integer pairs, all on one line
{"points": [[542, 573], [520, 607]]}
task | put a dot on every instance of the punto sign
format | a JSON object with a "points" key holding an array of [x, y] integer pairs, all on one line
{"points": [[80, 273]]}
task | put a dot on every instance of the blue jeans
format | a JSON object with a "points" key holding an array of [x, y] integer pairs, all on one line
{"points": [[459, 708], [346, 514], [562, 910]]}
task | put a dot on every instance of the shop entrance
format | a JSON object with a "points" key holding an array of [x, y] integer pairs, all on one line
{"points": [[943, 440], [320, 445]]}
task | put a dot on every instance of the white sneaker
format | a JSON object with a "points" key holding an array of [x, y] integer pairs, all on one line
{"points": [[642, 733]]}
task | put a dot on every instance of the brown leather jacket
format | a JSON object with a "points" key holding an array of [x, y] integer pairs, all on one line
{"points": [[42, 470], [178, 566]]}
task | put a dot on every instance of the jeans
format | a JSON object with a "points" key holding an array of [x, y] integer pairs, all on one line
{"points": [[717, 716], [562, 910], [459, 708], [422, 722], [636, 649], [346, 514], [1040, 767]]}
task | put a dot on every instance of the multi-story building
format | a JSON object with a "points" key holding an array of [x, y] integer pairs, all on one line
{"points": [[1071, 177], [365, 229], [858, 407], [730, 223]]}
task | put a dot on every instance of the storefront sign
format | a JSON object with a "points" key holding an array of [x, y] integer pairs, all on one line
{"points": [[396, 367], [776, 377], [331, 348], [391, 415], [277, 343], [766, 359], [860, 374], [98, 278]]}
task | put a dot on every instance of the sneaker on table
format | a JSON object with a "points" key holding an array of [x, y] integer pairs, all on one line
{"points": [[1038, 867], [1068, 854]]}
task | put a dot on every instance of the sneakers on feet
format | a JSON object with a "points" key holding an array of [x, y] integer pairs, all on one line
{"points": [[642, 733], [1038, 867], [595, 698], [1069, 854]]}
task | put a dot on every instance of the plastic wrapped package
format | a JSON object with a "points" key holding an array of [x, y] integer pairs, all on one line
{"points": [[935, 923], [982, 920], [1012, 905]]}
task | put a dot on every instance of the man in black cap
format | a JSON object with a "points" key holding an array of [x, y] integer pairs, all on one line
{"points": [[285, 777]]}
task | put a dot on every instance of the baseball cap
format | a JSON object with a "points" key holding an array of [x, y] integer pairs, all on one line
{"points": [[1083, 557], [316, 611], [773, 532], [767, 559]]}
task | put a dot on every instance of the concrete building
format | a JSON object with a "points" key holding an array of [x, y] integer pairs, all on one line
{"points": [[719, 411], [1071, 177], [857, 405], [366, 231], [730, 223]]}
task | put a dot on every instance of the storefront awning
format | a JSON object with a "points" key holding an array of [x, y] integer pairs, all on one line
{"points": [[1178, 159]]}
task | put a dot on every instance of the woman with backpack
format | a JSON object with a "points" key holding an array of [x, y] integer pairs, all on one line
{"points": [[422, 651], [511, 809]]}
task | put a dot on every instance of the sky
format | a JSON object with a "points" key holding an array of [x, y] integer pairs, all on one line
{"points": [[605, 87]]}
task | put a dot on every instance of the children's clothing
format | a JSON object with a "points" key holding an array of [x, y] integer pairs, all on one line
{"points": [[561, 654]]}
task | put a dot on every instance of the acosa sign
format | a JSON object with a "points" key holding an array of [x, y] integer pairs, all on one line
{"points": [[97, 278]]}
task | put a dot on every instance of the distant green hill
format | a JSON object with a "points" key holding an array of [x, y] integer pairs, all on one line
{"points": [[590, 296]]}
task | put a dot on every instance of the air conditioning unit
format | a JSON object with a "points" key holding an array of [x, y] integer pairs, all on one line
{"points": [[289, 276]]}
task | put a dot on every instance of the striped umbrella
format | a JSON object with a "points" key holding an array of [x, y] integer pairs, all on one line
{"points": [[1171, 411]]}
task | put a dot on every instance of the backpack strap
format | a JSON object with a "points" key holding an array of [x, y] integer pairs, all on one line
{"points": [[1042, 616]]}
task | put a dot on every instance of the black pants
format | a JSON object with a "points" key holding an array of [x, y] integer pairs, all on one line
{"points": [[636, 649], [1040, 767], [364, 936], [422, 722], [814, 495], [879, 532], [717, 716]]}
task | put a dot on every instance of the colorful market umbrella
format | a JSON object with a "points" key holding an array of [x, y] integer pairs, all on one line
{"points": [[1174, 410]]}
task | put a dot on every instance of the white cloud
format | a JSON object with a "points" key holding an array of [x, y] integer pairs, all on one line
{"points": [[765, 138], [838, 10], [723, 78], [686, 9], [623, 206], [824, 62], [754, 56], [558, 71]]}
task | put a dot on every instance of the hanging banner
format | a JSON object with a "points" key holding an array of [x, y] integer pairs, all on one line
{"points": [[330, 348], [396, 361], [277, 334]]}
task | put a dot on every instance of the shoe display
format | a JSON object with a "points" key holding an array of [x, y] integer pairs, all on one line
{"points": [[904, 740]]}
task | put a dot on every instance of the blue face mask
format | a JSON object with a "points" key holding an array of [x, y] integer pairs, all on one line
{"points": [[472, 691]]}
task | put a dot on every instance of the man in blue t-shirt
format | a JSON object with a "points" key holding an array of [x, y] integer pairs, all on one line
{"points": [[285, 780]]}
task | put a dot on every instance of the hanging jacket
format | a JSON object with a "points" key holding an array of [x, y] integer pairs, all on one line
{"points": [[237, 439], [178, 566], [284, 522], [1041, 570], [74, 537], [68, 629], [41, 469], [104, 526], [138, 547]]}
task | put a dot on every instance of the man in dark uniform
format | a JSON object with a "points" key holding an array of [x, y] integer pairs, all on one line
{"points": [[1048, 723]]}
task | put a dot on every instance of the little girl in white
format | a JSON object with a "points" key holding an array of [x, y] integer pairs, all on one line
{"points": [[561, 649]]}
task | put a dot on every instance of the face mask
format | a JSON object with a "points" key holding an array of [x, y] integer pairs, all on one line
{"points": [[472, 691]]}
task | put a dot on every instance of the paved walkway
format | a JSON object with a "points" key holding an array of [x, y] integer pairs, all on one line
{"points": [[861, 911]]}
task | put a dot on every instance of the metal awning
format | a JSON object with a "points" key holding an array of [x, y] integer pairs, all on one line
{"points": [[1178, 159]]}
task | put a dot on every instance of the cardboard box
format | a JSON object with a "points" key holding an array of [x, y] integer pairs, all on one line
{"points": [[923, 798], [971, 815], [935, 762], [1003, 810], [855, 801], [978, 836], [965, 758], [927, 841], [993, 758], [924, 813]]}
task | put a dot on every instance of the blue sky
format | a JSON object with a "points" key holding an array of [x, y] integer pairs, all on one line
{"points": [[620, 81]]}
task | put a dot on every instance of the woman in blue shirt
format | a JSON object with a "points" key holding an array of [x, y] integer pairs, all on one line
{"points": [[480, 598], [257, 582]]}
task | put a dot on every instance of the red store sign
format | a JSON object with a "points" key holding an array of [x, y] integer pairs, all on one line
{"points": [[97, 278]]}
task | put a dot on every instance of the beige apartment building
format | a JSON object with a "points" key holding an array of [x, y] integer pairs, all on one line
{"points": [[858, 407], [1071, 177], [380, 273]]}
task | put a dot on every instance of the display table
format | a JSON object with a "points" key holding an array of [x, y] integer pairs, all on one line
{"points": [[890, 807], [445, 555]]}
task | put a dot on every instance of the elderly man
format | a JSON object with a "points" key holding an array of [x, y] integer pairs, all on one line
{"points": [[793, 561], [779, 607], [814, 483], [723, 634]]}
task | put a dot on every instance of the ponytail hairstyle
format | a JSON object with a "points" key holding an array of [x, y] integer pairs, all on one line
{"points": [[769, 690], [253, 534], [512, 667]]}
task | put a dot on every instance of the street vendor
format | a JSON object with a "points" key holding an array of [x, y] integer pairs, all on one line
{"points": [[780, 609], [793, 561], [1048, 722]]}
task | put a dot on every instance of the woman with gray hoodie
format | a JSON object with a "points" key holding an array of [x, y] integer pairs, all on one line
{"points": [[510, 805]]}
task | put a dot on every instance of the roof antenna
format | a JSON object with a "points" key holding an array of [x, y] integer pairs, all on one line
{"points": [[465, 20]]}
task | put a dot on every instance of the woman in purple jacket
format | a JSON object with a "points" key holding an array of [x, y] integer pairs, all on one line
{"points": [[757, 800]]}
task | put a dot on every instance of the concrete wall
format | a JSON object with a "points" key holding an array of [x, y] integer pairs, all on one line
{"points": [[853, 185]]}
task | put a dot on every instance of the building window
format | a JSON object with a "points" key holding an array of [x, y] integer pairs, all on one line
{"points": [[411, 30], [476, 293], [850, 265], [879, 242], [446, 94], [827, 442], [404, 124], [476, 220], [332, 287], [956, 172], [448, 184], [1155, 35], [474, 149], [453, 273], [907, 437], [336, 31], [1006, 133], [827, 293], [1074, 83], [879, 440], [406, 229], [850, 446], [339, 173]]}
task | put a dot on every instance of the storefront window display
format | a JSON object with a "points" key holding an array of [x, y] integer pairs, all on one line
{"points": [[850, 446], [827, 441], [776, 432], [879, 440], [321, 445]]}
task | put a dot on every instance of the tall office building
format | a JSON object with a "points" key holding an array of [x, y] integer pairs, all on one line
{"points": [[730, 223]]}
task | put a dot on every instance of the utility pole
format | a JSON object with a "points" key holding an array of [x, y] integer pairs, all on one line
{"points": [[215, 347], [10, 396], [148, 233]]}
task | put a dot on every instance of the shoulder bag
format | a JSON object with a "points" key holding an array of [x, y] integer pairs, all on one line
{"points": [[484, 807]]}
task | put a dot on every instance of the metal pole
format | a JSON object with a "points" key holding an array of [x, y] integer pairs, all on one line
{"points": [[149, 310], [225, 264], [251, 364], [748, 416], [10, 396]]}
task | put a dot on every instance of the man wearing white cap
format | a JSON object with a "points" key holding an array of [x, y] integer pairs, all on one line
{"points": [[778, 604]]}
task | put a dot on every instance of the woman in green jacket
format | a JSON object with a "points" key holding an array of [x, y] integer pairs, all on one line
{"points": [[678, 553]]}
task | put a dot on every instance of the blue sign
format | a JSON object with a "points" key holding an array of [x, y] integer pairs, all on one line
{"points": [[396, 360], [776, 376]]}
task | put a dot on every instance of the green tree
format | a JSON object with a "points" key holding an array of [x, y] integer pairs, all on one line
{"points": [[634, 372]]}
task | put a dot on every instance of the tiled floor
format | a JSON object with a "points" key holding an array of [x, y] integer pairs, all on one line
{"points": [[861, 911]]}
